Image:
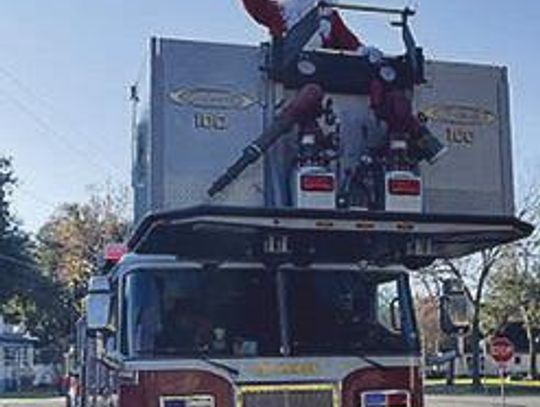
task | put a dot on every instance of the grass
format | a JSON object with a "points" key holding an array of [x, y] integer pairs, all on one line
{"points": [[486, 380], [490, 385]]}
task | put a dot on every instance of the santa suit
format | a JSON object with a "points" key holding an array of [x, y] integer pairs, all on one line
{"points": [[394, 107], [279, 16]]}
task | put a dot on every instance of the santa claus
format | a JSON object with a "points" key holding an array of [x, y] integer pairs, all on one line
{"points": [[279, 16]]}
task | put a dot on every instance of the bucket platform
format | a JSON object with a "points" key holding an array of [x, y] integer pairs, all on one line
{"points": [[218, 233]]}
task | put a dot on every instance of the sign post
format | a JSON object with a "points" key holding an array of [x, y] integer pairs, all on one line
{"points": [[502, 351], [501, 376]]}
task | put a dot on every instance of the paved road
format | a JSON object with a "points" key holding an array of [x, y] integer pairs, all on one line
{"points": [[432, 401], [481, 401], [55, 402]]}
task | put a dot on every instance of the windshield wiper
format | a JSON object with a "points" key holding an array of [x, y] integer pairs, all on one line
{"points": [[371, 361], [201, 356], [185, 352], [219, 365], [356, 353]]}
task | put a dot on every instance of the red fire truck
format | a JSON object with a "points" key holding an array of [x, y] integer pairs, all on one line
{"points": [[234, 307], [280, 278]]}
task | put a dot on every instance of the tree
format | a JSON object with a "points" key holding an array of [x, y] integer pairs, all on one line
{"points": [[26, 295], [429, 290], [41, 285], [15, 246], [71, 242], [428, 321], [514, 295], [473, 271], [514, 287], [43, 307]]}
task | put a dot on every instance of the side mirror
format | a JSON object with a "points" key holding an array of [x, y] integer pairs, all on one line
{"points": [[98, 303], [454, 308], [395, 315]]}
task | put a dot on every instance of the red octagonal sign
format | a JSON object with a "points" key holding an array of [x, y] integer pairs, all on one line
{"points": [[501, 349]]}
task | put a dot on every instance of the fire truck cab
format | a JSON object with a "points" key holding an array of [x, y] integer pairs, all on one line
{"points": [[262, 307], [256, 334]]}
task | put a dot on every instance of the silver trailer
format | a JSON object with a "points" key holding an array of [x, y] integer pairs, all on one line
{"points": [[207, 101]]}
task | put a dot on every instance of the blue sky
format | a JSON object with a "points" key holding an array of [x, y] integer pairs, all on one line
{"points": [[65, 67]]}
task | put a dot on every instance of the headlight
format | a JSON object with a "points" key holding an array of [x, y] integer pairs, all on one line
{"points": [[188, 401]]}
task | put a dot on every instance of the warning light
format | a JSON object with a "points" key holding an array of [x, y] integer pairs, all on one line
{"points": [[317, 183], [114, 252], [410, 187]]}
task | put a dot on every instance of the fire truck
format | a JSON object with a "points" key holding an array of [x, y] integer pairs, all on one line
{"points": [[283, 193]]}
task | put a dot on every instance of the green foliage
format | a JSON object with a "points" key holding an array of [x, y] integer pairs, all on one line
{"points": [[514, 287], [514, 291], [42, 283], [473, 271], [71, 242], [27, 296], [67, 253], [15, 245]]}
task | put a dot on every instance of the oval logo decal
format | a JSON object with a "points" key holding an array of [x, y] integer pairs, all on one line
{"points": [[212, 98], [460, 114]]}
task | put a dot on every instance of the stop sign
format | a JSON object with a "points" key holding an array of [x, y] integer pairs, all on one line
{"points": [[501, 349]]}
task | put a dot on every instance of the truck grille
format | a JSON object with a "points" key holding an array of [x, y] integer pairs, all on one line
{"points": [[323, 395]]}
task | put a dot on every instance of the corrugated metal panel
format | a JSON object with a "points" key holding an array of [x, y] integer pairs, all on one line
{"points": [[206, 104], [208, 101], [467, 109]]}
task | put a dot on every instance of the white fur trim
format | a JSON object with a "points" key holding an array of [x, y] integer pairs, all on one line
{"points": [[325, 28]]}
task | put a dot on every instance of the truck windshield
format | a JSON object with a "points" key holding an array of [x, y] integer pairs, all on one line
{"points": [[183, 312], [236, 313], [349, 312]]}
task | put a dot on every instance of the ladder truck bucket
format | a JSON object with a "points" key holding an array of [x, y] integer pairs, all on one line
{"points": [[218, 233]]}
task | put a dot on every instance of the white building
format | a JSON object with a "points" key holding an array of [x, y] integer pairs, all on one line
{"points": [[16, 357], [518, 365]]}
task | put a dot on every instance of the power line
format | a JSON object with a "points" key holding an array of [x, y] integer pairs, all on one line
{"points": [[37, 97], [64, 141], [39, 199], [25, 277], [20, 262]]}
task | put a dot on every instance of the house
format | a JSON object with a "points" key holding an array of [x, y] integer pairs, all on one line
{"points": [[17, 350], [519, 364]]}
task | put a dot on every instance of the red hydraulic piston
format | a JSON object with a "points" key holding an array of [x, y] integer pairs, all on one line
{"points": [[306, 105], [303, 108]]}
